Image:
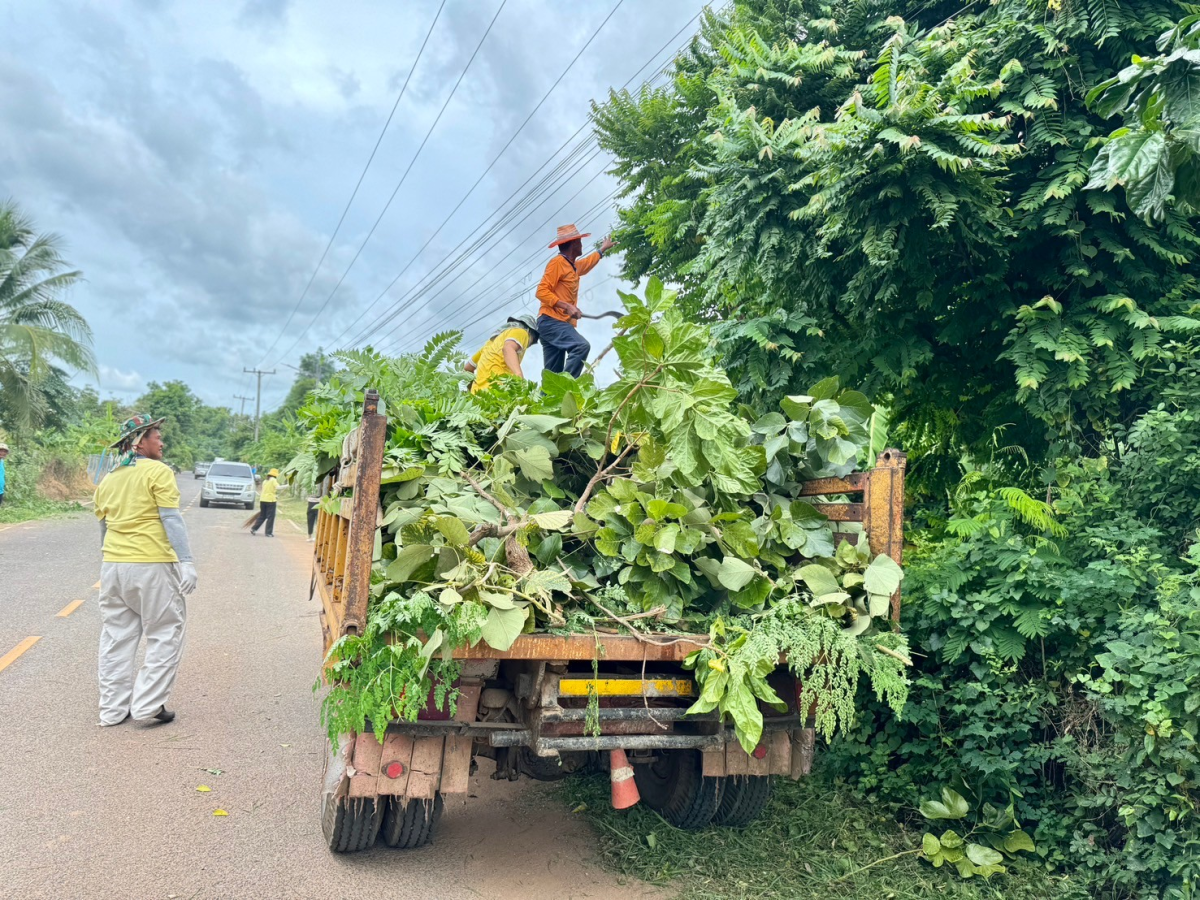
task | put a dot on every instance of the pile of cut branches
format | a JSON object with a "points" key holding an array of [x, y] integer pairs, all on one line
{"points": [[653, 505]]}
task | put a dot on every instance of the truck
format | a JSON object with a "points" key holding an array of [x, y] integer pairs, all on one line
{"points": [[552, 705]]}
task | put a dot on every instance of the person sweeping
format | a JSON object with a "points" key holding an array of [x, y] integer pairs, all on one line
{"points": [[146, 573], [564, 349], [503, 352], [266, 504]]}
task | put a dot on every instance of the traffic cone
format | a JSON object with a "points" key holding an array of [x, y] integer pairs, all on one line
{"points": [[624, 789]]}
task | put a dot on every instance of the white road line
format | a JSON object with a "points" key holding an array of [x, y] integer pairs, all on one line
{"points": [[294, 525]]}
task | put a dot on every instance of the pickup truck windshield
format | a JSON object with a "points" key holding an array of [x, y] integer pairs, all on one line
{"points": [[227, 470]]}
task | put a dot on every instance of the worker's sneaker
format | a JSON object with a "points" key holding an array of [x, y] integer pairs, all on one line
{"points": [[164, 715], [128, 716], [253, 532]]}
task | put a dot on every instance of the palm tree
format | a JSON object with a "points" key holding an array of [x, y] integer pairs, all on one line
{"points": [[39, 333]]}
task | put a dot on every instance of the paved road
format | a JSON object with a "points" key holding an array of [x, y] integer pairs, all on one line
{"points": [[87, 812]]}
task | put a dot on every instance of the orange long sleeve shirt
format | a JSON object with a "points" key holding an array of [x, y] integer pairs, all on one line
{"points": [[561, 283]]}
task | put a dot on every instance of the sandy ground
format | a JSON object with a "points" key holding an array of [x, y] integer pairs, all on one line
{"points": [[87, 812]]}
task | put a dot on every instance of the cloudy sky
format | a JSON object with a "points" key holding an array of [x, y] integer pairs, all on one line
{"points": [[196, 157]]}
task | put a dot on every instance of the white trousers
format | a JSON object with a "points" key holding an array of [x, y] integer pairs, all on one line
{"points": [[137, 599]]}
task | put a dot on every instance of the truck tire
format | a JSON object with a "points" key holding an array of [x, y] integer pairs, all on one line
{"points": [[350, 824], [673, 785], [247, 506], [743, 799], [410, 823], [203, 503]]}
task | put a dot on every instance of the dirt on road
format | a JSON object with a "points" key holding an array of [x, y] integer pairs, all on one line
{"points": [[89, 812]]}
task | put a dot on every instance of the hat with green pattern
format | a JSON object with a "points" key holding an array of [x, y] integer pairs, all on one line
{"points": [[138, 425]]}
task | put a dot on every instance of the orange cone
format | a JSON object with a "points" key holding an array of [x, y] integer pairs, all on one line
{"points": [[624, 789]]}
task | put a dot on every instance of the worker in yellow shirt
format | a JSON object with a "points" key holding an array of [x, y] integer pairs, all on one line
{"points": [[503, 352], [266, 504], [146, 572]]}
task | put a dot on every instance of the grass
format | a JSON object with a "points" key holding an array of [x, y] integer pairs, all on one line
{"points": [[815, 840], [294, 509], [27, 509]]}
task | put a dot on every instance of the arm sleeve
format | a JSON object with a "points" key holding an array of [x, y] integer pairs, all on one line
{"points": [[172, 520], [585, 264], [550, 278]]}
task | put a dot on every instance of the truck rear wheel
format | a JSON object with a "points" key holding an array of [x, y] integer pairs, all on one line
{"points": [[674, 786], [410, 823], [350, 824], [743, 798]]}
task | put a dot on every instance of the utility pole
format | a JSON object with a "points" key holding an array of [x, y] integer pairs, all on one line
{"points": [[257, 395], [242, 411]]}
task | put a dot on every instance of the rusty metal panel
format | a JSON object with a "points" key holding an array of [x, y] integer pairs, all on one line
{"points": [[851, 484], [425, 773], [338, 569], [361, 537], [397, 748], [883, 520], [587, 647], [712, 762], [779, 752], [367, 753], [841, 512]]}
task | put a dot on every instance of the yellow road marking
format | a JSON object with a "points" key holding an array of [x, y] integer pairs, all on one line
{"points": [[12, 655], [68, 609]]}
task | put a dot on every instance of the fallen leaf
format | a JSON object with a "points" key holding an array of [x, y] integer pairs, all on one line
{"points": [[580, 808], [214, 771], [220, 812], [203, 788], [285, 745]]}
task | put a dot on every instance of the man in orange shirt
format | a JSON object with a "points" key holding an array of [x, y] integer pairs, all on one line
{"points": [[564, 349]]}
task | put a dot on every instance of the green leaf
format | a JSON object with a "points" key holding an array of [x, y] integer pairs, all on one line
{"points": [[883, 576], [878, 605], [983, 856], [553, 521], [1018, 841], [951, 840], [453, 530], [734, 574], [534, 463], [449, 596], [819, 580], [662, 509], [503, 627], [930, 845], [543, 424], [952, 806], [408, 560]]}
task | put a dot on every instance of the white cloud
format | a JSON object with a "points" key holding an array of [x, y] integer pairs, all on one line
{"points": [[113, 379]]}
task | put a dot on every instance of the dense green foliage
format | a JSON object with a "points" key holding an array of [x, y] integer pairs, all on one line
{"points": [[653, 502], [917, 197]]}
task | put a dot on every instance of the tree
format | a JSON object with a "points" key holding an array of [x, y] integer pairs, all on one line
{"points": [[39, 333], [895, 192]]}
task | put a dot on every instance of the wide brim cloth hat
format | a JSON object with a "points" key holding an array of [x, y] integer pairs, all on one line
{"points": [[274, 473], [526, 321], [140, 423], [566, 234]]}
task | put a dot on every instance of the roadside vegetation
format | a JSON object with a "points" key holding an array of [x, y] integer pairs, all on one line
{"points": [[983, 214]]}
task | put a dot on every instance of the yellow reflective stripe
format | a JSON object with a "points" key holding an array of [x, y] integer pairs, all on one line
{"points": [[627, 687]]}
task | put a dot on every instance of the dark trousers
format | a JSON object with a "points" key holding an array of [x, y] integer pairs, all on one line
{"points": [[564, 349], [312, 517], [266, 513]]}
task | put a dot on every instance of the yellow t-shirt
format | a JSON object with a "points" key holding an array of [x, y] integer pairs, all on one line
{"points": [[489, 361], [269, 488], [128, 499]]}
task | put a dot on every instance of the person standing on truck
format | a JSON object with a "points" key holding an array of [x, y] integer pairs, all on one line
{"points": [[563, 347], [266, 504], [146, 573], [3, 455], [503, 352]]}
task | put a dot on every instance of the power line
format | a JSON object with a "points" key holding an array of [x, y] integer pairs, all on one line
{"points": [[495, 160], [403, 178], [396, 306], [357, 185]]}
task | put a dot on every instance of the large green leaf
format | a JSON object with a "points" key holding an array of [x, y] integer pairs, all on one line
{"points": [[503, 626], [818, 579], [883, 575], [408, 560], [952, 806]]}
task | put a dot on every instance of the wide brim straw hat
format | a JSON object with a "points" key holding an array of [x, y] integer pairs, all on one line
{"points": [[566, 234], [274, 473], [139, 424]]}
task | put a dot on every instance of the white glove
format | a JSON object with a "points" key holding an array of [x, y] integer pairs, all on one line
{"points": [[187, 577]]}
